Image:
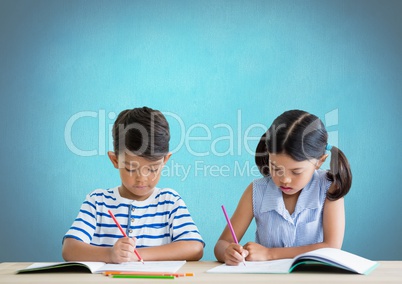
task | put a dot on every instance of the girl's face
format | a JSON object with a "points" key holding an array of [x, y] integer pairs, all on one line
{"points": [[292, 176], [139, 176]]}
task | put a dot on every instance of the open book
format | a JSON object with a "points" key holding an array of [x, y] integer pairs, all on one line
{"points": [[99, 267], [325, 256]]}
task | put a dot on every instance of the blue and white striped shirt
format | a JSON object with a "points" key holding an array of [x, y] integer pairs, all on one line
{"points": [[276, 227], [160, 219]]}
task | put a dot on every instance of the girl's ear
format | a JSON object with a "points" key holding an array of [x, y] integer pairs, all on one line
{"points": [[321, 161], [113, 159]]}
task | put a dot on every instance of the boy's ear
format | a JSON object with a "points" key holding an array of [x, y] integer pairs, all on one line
{"points": [[321, 161], [167, 157], [113, 159]]}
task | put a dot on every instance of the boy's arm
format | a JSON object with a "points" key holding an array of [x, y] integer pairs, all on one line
{"points": [[178, 250], [333, 226], [186, 242], [122, 251], [75, 250]]}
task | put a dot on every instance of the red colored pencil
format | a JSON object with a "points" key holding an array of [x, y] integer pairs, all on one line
{"points": [[124, 234]]}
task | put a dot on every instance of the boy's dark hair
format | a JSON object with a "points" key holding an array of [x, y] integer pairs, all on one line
{"points": [[142, 132], [303, 136]]}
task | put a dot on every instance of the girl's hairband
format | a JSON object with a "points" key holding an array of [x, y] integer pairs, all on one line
{"points": [[328, 147]]}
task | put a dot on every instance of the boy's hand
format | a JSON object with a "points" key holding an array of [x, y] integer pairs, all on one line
{"points": [[123, 250], [234, 254]]}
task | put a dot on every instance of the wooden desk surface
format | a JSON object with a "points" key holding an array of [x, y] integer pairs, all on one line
{"points": [[386, 272]]}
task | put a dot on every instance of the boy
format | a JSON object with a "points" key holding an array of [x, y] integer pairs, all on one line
{"points": [[156, 221]]}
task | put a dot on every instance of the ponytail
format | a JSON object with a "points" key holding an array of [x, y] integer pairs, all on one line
{"points": [[339, 173], [262, 157]]}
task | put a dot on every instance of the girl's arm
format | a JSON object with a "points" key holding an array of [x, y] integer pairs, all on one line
{"points": [[333, 226], [240, 220]]}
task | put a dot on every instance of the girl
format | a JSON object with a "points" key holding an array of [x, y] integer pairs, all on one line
{"points": [[297, 207]]}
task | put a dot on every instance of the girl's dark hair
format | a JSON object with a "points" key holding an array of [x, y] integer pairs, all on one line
{"points": [[142, 132], [303, 136]]}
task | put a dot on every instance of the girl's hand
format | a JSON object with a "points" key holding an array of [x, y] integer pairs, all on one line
{"points": [[234, 254], [257, 252], [123, 250]]}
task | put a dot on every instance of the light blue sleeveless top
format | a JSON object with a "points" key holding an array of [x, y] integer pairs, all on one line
{"points": [[276, 227]]}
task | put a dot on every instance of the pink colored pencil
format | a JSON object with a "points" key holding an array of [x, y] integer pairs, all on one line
{"points": [[124, 234], [231, 228]]}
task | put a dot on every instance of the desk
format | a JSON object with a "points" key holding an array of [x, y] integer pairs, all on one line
{"points": [[386, 272]]}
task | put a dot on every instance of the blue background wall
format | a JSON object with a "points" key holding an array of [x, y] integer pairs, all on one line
{"points": [[220, 68]]}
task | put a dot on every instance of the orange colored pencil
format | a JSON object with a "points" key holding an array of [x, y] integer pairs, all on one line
{"points": [[107, 273]]}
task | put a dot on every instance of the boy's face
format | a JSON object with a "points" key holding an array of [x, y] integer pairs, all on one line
{"points": [[139, 176]]}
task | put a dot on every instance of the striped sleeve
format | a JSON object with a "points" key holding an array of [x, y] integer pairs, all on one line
{"points": [[84, 226], [182, 225]]}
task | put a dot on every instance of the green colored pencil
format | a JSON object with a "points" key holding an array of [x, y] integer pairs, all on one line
{"points": [[142, 276]]}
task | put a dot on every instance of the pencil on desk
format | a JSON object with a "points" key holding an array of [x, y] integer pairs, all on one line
{"points": [[107, 273], [231, 229], [124, 234], [141, 276]]}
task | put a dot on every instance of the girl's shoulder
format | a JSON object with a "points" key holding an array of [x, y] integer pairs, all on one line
{"points": [[322, 174], [322, 177], [262, 182], [319, 184], [263, 186]]}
